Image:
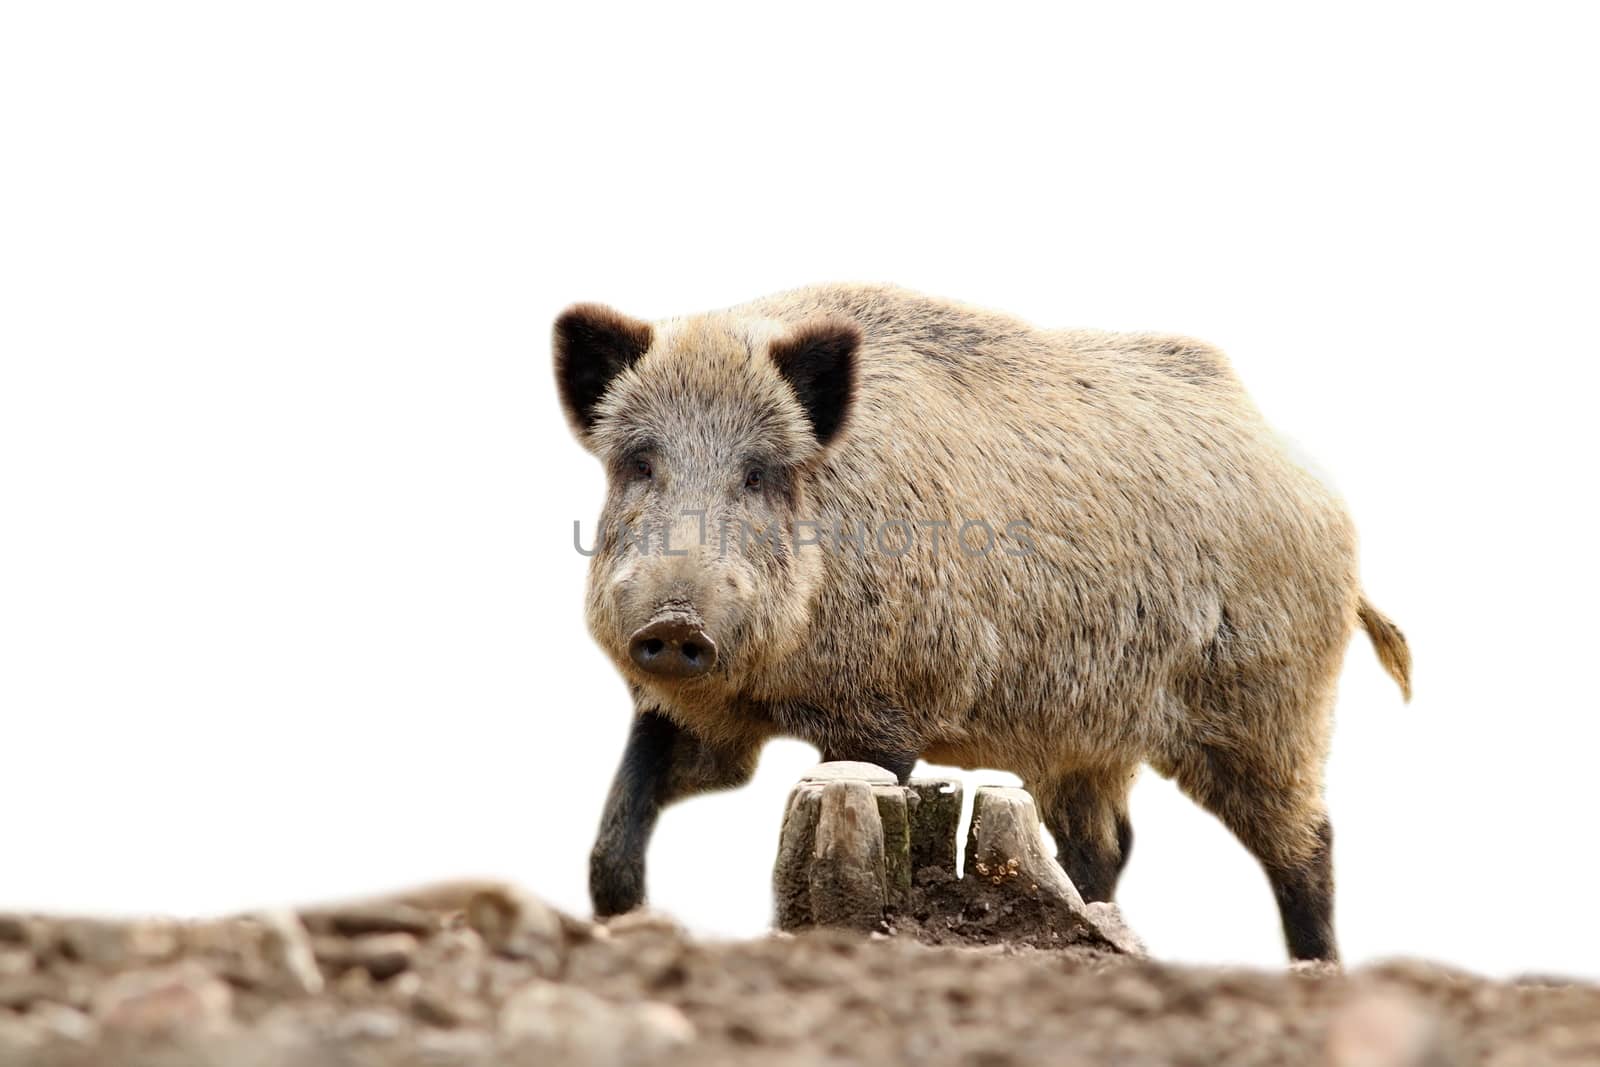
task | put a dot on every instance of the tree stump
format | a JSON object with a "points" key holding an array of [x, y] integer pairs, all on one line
{"points": [[831, 868], [861, 852], [1004, 845], [935, 820]]}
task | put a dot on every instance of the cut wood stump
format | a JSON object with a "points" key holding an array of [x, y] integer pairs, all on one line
{"points": [[1004, 845], [832, 867], [862, 852]]}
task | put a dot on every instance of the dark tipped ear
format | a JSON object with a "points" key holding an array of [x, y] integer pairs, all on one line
{"points": [[818, 359], [593, 344]]}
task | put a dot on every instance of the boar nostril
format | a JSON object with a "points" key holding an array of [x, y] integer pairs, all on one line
{"points": [[674, 646]]}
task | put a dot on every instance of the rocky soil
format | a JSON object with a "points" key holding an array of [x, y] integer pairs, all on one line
{"points": [[481, 974]]}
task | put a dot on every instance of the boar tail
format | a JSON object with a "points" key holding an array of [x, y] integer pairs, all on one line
{"points": [[1389, 643]]}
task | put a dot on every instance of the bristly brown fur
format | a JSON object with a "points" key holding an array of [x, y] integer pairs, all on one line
{"points": [[1186, 604]]}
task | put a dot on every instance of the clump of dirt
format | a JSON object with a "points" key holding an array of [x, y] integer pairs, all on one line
{"points": [[482, 974], [979, 910]]}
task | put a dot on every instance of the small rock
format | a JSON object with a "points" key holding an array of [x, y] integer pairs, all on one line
{"points": [[500, 977], [453, 963], [447, 1012], [102, 943], [1547, 981], [19, 1032], [14, 929], [78, 983], [1381, 1029], [1315, 969], [354, 985], [296, 1024], [286, 949], [230, 945], [60, 1022], [644, 921], [561, 1021], [447, 899], [454, 1046], [380, 955], [456, 944], [405, 986], [15, 961], [376, 917], [1134, 993], [21, 991], [1107, 918], [662, 1026], [184, 998], [371, 1024], [519, 926]]}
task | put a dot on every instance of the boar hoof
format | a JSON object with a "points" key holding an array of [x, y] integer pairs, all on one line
{"points": [[616, 884]]}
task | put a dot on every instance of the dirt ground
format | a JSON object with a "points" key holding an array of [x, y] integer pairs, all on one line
{"points": [[477, 974]]}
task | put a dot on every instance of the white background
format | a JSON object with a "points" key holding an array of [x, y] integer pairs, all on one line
{"points": [[288, 603]]}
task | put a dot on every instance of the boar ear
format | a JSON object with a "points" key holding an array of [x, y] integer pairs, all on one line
{"points": [[593, 344], [818, 359]]}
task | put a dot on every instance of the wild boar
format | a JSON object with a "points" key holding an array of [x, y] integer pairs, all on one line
{"points": [[903, 528]]}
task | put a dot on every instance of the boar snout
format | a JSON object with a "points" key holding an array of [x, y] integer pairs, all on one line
{"points": [[674, 646]]}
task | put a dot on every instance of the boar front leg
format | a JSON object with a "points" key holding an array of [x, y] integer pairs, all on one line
{"points": [[662, 763]]}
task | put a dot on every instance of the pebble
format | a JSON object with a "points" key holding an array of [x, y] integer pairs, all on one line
{"points": [[372, 1024], [102, 943], [378, 917], [20, 991], [380, 955], [518, 926], [562, 1021], [182, 998], [446, 1012], [63, 1023], [15, 961], [286, 949]]}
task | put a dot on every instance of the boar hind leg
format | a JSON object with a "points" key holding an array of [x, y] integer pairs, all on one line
{"points": [[1087, 813], [662, 763], [1274, 806]]}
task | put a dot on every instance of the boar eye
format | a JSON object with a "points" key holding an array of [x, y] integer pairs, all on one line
{"points": [[753, 479], [642, 467]]}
